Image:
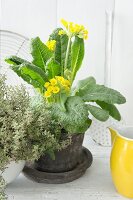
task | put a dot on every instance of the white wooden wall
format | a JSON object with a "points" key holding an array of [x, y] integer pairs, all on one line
{"points": [[122, 58], [40, 17]]}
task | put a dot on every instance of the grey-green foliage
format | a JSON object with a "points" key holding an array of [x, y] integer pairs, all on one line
{"points": [[26, 130], [103, 96], [3, 195], [94, 92], [113, 111], [99, 113], [75, 118]]}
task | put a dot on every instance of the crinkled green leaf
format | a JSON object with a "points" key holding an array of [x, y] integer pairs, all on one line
{"points": [[40, 53], [31, 74], [83, 85], [113, 111], [75, 118], [27, 78], [52, 68], [34, 72], [56, 36], [98, 113], [102, 93], [15, 60], [77, 55], [61, 47]]}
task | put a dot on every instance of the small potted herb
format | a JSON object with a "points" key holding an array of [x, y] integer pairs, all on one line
{"points": [[26, 132], [52, 72]]}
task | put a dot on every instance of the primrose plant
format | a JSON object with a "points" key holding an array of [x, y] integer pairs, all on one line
{"points": [[52, 71]]}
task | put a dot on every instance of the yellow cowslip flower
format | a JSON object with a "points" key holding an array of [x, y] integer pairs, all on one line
{"points": [[67, 82], [59, 78], [63, 82], [61, 32], [47, 94], [50, 88], [56, 90], [85, 33], [51, 44], [65, 23], [53, 81], [67, 88], [47, 84], [75, 29], [85, 37]]}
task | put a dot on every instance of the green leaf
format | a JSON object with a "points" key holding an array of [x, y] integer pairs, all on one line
{"points": [[55, 36], [113, 111], [98, 113], [52, 68], [14, 60], [51, 154], [40, 53], [102, 93], [27, 78], [28, 72], [31, 74], [77, 55], [61, 47], [34, 72], [75, 118], [83, 86]]}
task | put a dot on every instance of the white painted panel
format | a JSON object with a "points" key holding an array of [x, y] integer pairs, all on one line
{"points": [[39, 17], [122, 58], [29, 17], [90, 13], [0, 14]]}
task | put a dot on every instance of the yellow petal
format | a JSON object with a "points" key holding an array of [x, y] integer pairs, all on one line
{"points": [[47, 94], [51, 44], [56, 90], [64, 23], [53, 81], [46, 85], [50, 89], [61, 32]]}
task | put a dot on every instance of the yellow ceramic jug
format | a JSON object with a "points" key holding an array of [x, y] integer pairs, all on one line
{"points": [[121, 160]]}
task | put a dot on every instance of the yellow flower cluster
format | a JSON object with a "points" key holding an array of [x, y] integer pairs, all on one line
{"points": [[61, 32], [51, 44], [75, 29], [55, 85]]}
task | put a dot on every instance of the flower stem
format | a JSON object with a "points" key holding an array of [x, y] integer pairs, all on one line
{"points": [[67, 52], [62, 106]]}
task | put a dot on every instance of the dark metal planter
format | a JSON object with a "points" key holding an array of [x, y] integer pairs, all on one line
{"points": [[66, 159], [69, 164]]}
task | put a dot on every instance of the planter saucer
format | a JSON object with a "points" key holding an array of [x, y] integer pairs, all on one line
{"points": [[62, 177]]}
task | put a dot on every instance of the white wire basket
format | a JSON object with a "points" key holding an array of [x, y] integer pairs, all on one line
{"points": [[12, 44]]}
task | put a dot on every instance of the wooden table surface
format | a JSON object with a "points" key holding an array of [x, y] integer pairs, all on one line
{"points": [[96, 184]]}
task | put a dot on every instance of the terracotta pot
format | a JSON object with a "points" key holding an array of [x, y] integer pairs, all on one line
{"points": [[65, 160]]}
